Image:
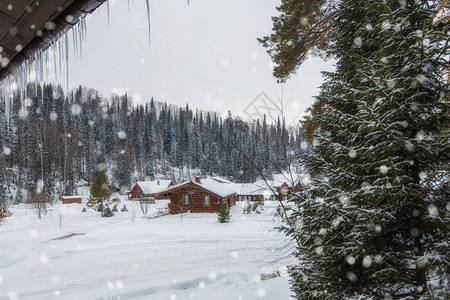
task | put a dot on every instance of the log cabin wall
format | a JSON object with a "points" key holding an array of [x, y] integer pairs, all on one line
{"points": [[71, 201], [196, 196], [136, 192]]}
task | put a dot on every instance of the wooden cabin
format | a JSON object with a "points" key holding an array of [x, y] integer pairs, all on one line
{"points": [[71, 199], [199, 196], [145, 189], [283, 184], [255, 192]]}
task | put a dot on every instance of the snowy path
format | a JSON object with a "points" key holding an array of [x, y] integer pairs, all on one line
{"points": [[160, 258]]}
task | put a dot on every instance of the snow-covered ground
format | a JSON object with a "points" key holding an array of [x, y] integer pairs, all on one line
{"points": [[92, 257]]}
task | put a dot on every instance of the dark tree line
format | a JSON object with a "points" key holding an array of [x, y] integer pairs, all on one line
{"points": [[55, 141]]}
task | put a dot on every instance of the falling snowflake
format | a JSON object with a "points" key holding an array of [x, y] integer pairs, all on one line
{"points": [[358, 41], [350, 260], [367, 261], [173, 297], [201, 284], [76, 109], [261, 292], [433, 210], [44, 259], [344, 199], [57, 293], [110, 285], [53, 116], [7, 151], [212, 275], [13, 296], [351, 276], [254, 55], [352, 153], [122, 135], [378, 258], [23, 113], [414, 232], [409, 146], [235, 254], [384, 169], [119, 284]]}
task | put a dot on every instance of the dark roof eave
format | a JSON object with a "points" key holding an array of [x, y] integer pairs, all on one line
{"points": [[78, 9]]}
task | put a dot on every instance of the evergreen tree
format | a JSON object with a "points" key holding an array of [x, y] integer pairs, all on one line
{"points": [[100, 190], [375, 223], [223, 215], [107, 212]]}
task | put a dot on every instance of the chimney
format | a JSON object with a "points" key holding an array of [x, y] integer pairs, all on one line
{"points": [[198, 179], [157, 182]]}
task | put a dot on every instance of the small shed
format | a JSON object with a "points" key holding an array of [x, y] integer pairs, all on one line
{"points": [[71, 199]]}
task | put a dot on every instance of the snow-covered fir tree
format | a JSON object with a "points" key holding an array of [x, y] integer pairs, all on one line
{"points": [[374, 224]]}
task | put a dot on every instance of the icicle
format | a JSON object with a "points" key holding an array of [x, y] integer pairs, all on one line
{"points": [[107, 8], [147, 2], [66, 41]]}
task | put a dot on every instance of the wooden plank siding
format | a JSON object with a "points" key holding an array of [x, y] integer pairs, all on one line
{"points": [[71, 200], [196, 196], [136, 192]]}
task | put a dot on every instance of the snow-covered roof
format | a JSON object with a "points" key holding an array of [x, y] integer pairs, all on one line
{"points": [[155, 186], [218, 188], [221, 180], [212, 185], [257, 188], [71, 197], [280, 179]]}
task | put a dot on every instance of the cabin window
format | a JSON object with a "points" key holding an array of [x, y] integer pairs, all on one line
{"points": [[186, 199], [206, 200]]}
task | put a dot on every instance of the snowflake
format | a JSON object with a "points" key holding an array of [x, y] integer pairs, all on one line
{"points": [[350, 260], [23, 113], [358, 41], [44, 259], [384, 169], [367, 261], [261, 292], [7, 151], [433, 210], [76, 109], [352, 153], [201, 284], [53, 116], [212, 275], [122, 135], [351, 276], [119, 284]]}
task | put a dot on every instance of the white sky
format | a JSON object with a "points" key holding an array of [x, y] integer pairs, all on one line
{"points": [[205, 54]]}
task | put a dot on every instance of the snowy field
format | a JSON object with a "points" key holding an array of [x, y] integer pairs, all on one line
{"points": [[92, 257]]}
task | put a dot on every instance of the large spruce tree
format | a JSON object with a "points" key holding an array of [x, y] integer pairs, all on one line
{"points": [[375, 223]]}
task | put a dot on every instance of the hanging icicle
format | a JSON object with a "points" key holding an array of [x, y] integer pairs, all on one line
{"points": [[107, 8], [147, 2]]}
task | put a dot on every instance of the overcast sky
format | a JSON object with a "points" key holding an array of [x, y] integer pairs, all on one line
{"points": [[205, 54]]}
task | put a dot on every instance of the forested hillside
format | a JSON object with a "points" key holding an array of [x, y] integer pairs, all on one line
{"points": [[54, 141]]}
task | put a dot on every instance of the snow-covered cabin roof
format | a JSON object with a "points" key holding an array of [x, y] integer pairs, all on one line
{"points": [[155, 186], [280, 179], [219, 188], [212, 185], [221, 180], [71, 197]]}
